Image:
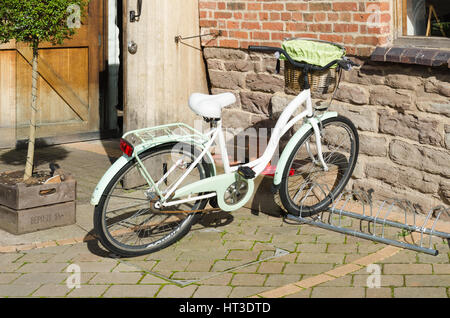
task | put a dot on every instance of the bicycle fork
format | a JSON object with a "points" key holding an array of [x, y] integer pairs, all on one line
{"points": [[318, 136]]}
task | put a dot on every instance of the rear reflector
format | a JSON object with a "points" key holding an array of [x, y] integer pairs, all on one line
{"points": [[270, 171], [126, 147]]}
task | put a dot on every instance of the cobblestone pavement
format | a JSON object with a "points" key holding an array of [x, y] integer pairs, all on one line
{"points": [[242, 254]]}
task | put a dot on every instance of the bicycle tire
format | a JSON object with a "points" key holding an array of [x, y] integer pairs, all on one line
{"points": [[107, 238], [343, 174]]}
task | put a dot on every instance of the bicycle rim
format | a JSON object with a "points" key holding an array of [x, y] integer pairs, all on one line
{"points": [[308, 188], [129, 223]]}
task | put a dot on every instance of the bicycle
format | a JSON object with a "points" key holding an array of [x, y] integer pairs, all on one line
{"points": [[152, 195]]}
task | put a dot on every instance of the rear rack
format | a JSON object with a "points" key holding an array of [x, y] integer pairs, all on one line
{"points": [[178, 132]]}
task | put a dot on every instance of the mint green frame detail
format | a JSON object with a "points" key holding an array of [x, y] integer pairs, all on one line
{"points": [[293, 142], [196, 138], [218, 184]]}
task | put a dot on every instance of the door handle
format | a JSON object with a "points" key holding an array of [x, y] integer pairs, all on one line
{"points": [[135, 17]]}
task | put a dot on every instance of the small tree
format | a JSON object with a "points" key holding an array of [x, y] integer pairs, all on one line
{"points": [[35, 22]]}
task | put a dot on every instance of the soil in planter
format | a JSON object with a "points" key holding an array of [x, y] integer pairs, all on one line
{"points": [[15, 177]]}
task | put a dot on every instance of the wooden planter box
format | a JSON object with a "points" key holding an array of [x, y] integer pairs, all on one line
{"points": [[25, 209]]}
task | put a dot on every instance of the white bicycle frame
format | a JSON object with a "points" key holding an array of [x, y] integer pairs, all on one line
{"points": [[282, 126]]}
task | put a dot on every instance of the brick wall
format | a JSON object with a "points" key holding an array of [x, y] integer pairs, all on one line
{"points": [[402, 111], [359, 25]]}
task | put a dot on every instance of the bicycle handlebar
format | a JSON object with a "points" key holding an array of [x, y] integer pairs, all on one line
{"points": [[344, 63]]}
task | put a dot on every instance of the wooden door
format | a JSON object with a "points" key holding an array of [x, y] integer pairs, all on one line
{"points": [[68, 85], [161, 75]]}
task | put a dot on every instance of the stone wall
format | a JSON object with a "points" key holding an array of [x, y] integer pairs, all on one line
{"points": [[402, 113]]}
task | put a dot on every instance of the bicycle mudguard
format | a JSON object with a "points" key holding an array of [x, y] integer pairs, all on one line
{"points": [[107, 177], [122, 161], [293, 142]]}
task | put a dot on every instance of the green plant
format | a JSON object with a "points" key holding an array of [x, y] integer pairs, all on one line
{"points": [[34, 22]]}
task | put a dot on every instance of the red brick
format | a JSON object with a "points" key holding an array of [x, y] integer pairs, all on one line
{"points": [[251, 25], [319, 6], [222, 15], [345, 28], [320, 17], [345, 6], [254, 6], [296, 26], [238, 35], [331, 38], [273, 6], [261, 35], [207, 5], [273, 26], [250, 16], [229, 43], [296, 6], [286, 16]]}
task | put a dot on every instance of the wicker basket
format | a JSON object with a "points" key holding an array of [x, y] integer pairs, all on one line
{"points": [[321, 82]]}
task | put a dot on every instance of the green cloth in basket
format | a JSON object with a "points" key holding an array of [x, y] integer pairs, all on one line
{"points": [[312, 52]]}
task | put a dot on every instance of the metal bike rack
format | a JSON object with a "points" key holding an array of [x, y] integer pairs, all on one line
{"points": [[376, 223]]}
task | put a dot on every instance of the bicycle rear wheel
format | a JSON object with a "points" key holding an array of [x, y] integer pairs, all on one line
{"points": [[126, 220], [306, 189]]}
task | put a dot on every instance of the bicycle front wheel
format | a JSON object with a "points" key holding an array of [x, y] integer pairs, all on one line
{"points": [[126, 220], [306, 188]]}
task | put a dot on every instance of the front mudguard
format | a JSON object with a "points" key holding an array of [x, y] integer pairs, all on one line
{"points": [[282, 162]]}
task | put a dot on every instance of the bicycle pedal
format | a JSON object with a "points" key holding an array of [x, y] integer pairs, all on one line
{"points": [[246, 172]]}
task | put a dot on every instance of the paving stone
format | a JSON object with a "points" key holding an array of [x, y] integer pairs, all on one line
{"points": [[52, 290], [132, 291], [324, 258], [172, 291], [427, 280], [96, 267], [248, 280], [253, 268], [8, 278], [312, 247], [337, 292], [385, 280], [42, 268], [88, 291], [345, 281], [307, 268], [246, 291], [407, 269], [430, 259], [212, 292], [18, 290], [41, 278], [342, 248], [306, 293], [270, 268], [152, 279], [34, 258], [277, 280], [441, 268], [9, 258], [383, 292], [420, 292], [196, 266], [222, 280], [116, 278]]}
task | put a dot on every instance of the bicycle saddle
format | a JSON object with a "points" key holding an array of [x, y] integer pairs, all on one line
{"points": [[210, 106]]}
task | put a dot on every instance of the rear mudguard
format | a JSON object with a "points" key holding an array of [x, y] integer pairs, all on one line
{"points": [[123, 161], [282, 162]]}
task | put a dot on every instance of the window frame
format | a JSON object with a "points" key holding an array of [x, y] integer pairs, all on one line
{"points": [[401, 39]]}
